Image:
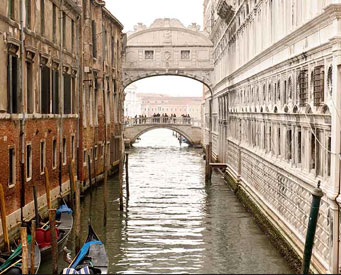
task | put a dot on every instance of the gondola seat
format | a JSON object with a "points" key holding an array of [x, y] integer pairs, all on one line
{"points": [[43, 237]]}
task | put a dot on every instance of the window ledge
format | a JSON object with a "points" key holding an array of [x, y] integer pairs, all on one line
{"points": [[28, 179], [36, 116], [11, 186]]}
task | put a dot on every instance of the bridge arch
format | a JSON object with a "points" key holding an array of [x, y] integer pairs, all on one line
{"points": [[150, 128], [188, 128], [165, 48], [142, 76]]}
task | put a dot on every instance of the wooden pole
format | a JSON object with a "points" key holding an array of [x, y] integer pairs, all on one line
{"points": [[47, 188], [36, 212], [71, 185], [105, 189], [24, 248], [54, 247], [4, 218], [121, 174], [127, 174], [77, 210], [89, 169], [33, 246], [207, 162], [94, 160]]}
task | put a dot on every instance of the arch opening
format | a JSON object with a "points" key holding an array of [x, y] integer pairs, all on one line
{"points": [[174, 129]]}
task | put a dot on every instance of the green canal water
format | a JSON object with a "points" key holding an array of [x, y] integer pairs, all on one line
{"points": [[173, 222]]}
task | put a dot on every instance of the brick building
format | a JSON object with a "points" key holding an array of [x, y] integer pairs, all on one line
{"points": [[60, 96]]}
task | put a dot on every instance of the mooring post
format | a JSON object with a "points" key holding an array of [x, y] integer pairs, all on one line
{"points": [[121, 172], [54, 247], [71, 186], [210, 161], [36, 212], [4, 219], [77, 209], [208, 168], [33, 246], [47, 187], [105, 191], [127, 174], [24, 249], [89, 169], [309, 243]]}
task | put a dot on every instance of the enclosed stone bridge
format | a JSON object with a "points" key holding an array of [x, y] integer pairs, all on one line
{"points": [[167, 47], [187, 127]]}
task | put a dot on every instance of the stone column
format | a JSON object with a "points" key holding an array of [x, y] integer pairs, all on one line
{"points": [[333, 189]]}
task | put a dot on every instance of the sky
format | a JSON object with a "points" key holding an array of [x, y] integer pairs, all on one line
{"points": [[131, 12]]}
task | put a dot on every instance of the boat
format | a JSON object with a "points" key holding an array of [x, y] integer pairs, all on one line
{"points": [[64, 221], [91, 259], [11, 263]]}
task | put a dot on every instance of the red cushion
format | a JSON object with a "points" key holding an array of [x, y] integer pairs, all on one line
{"points": [[43, 237], [48, 235], [40, 236]]}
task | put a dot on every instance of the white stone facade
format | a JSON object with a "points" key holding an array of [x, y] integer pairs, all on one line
{"points": [[132, 103], [167, 47], [276, 110]]}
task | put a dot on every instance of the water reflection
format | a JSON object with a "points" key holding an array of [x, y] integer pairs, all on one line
{"points": [[174, 222]]}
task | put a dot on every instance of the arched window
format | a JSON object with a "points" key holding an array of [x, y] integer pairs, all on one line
{"points": [[330, 80]]}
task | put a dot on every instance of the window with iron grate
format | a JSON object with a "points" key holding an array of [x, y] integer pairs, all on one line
{"points": [[303, 87], [318, 85]]}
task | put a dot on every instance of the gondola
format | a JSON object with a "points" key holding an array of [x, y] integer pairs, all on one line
{"points": [[11, 264], [91, 259], [64, 222]]}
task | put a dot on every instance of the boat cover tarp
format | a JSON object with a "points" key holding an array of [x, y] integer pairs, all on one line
{"points": [[16, 253], [84, 270], [63, 209], [82, 253]]}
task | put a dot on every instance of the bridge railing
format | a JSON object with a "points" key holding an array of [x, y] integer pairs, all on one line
{"points": [[163, 120]]}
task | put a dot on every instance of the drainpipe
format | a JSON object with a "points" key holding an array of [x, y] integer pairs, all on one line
{"points": [[22, 124], [61, 98]]}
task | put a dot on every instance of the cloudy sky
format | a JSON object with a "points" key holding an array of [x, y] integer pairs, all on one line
{"points": [[131, 12]]}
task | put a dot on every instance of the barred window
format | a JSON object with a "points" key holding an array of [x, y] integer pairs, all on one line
{"points": [[185, 54], [330, 80], [303, 87], [318, 85], [149, 54]]}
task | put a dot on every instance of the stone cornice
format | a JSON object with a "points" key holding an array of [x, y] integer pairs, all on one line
{"points": [[330, 13], [185, 30], [165, 46]]}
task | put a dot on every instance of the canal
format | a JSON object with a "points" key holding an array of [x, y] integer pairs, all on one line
{"points": [[173, 221]]}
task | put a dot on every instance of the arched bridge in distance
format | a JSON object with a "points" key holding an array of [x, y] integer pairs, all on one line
{"points": [[187, 127]]}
